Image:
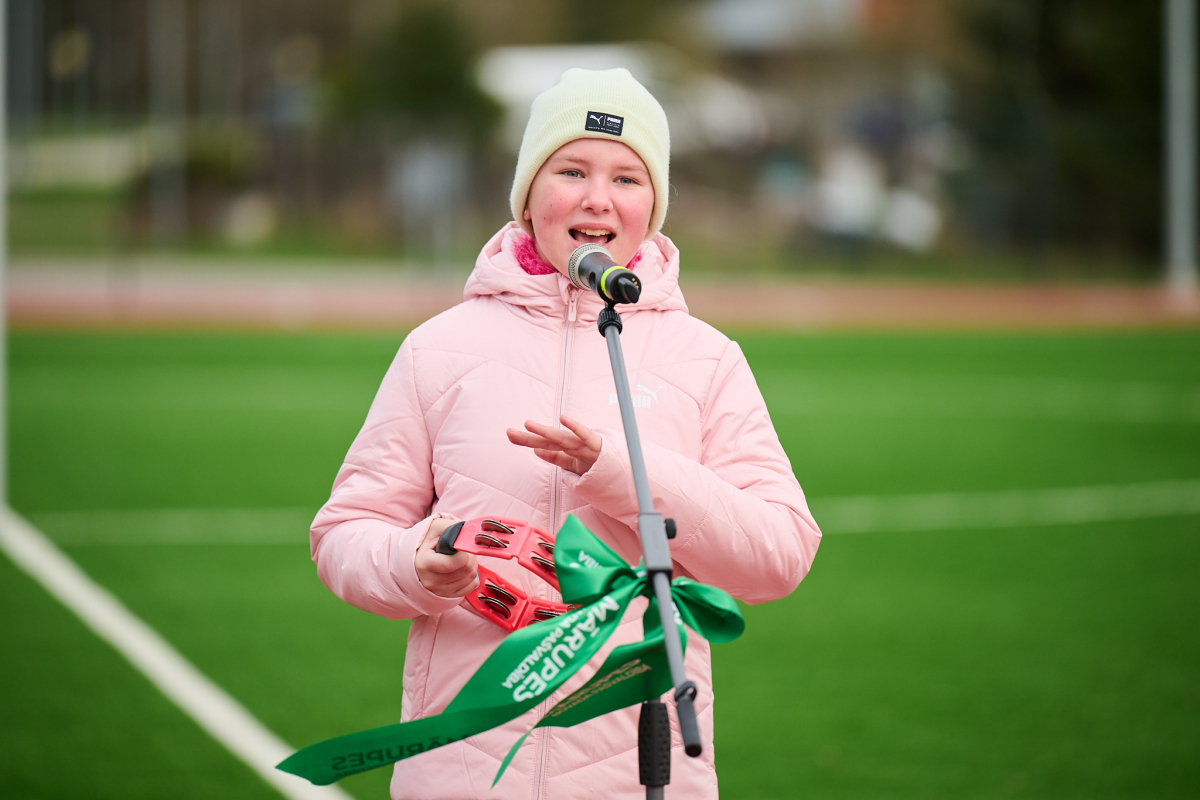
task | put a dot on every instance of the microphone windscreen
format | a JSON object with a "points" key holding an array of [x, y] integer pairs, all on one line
{"points": [[576, 259]]}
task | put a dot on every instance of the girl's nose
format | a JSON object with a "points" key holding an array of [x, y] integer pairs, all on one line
{"points": [[597, 197]]}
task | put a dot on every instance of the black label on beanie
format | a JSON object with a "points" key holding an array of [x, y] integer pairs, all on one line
{"points": [[604, 123]]}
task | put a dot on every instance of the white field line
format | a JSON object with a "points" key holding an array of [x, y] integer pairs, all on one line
{"points": [[187, 388], [201, 699], [1007, 509], [980, 397], [860, 514], [184, 526]]}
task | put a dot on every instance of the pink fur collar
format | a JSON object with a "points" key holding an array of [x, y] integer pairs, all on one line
{"points": [[527, 256]]}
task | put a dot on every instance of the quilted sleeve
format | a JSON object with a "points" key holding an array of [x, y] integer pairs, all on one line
{"points": [[364, 539], [743, 523]]}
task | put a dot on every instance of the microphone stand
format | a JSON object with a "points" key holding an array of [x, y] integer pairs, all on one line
{"points": [[654, 734]]}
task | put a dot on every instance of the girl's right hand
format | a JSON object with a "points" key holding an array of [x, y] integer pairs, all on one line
{"points": [[445, 576]]}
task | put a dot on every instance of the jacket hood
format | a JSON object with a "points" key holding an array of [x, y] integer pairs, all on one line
{"points": [[498, 274]]}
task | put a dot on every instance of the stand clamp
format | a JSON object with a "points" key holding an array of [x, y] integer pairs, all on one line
{"points": [[609, 317]]}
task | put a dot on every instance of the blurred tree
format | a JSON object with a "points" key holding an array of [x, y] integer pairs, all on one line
{"points": [[586, 22], [420, 74], [1062, 101]]}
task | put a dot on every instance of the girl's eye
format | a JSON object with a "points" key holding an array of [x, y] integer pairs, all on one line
{"points": [[572, 173], [627, 181]]}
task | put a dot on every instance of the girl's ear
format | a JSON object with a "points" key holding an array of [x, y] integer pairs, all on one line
{"points": [[527, 215]]}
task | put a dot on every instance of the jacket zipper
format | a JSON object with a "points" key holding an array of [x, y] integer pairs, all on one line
{"points": [[564, 374]]}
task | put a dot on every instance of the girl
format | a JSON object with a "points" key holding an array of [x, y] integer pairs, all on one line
{"points": [[464, 426]]}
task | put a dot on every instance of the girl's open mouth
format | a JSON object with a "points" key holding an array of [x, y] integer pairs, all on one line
{"points": [[592, 235]]}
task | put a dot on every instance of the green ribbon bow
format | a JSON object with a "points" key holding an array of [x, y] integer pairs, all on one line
{"points": [[534, 661]]}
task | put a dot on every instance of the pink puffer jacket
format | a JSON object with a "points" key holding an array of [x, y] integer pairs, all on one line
{"points": [[522, 347]]}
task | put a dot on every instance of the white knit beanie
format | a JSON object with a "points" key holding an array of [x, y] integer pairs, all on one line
{"points": [[591, 104]]}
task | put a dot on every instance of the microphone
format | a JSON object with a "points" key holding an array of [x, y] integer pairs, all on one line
{"points": [[592, 268]]}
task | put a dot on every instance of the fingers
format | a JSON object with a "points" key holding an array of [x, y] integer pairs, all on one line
{"points": [[555, 457], [525, 439], [574, 447], [577, 437], [583, 433], [459, 587], [454, 582], [542, 436], [445, 576]]}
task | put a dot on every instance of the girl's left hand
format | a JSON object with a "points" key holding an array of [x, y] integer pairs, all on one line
{"points": [[574, 449]]}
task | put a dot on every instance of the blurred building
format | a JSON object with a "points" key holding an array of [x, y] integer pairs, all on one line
{"points": [[857, 132], [799, 127]]}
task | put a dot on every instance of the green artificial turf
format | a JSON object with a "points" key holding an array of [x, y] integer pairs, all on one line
{"points": [[1052, 661], [78, 721]]}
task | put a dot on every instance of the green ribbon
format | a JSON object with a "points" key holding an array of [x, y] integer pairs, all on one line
{"points": [[534, 661]]}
